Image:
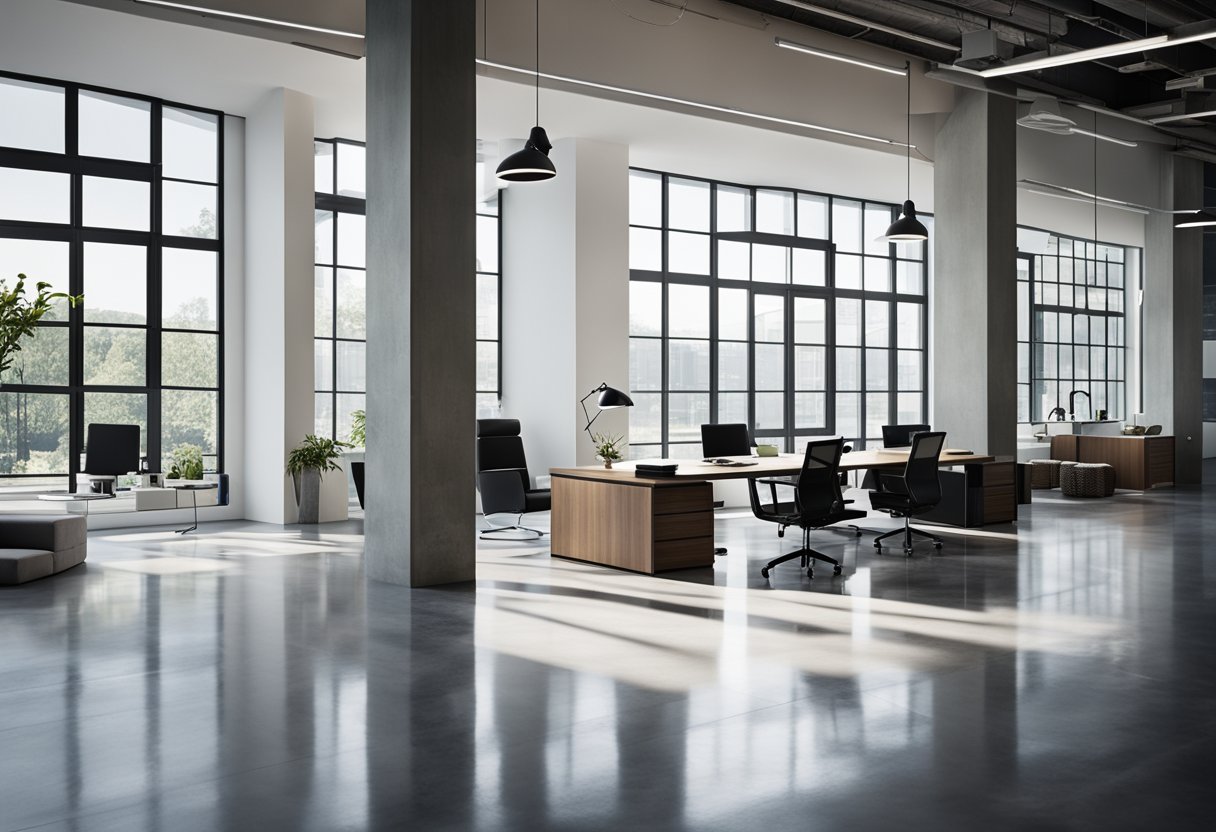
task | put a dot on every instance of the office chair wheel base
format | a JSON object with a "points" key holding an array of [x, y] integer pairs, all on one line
{"points": [[810, 573], [764, 572], [878, 546], [938, 545], [908, 552], [837, 571], [780, 532]]}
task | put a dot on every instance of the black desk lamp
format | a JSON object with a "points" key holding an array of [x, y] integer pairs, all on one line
{"points": [[609, 398]]}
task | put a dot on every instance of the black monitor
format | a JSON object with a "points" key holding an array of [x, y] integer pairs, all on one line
{"points": [[111, 450], [900, 436]]}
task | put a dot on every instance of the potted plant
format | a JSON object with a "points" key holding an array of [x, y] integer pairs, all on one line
{"points": [[306, 463], [19, 315], [187, 463], [606, 448], [358, 439]]}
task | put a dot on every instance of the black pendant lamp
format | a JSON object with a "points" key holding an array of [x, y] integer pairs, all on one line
{"points": [[532, 164], [907, 227]]}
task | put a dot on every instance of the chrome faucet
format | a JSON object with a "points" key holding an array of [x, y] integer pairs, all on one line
{"points": [[1057, 412], [1071, 396]]}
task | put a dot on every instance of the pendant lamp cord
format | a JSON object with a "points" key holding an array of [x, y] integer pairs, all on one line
{"points": [[538, 63], [908, 132], [1095, 182]]}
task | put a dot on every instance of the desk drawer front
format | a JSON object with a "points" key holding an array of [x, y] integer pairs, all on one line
{"points": [[690, 524], [683, 498]]}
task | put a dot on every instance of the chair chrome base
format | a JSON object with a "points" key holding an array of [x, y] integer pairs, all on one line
{"points": [[537, 534], [807, 557], [907, 531]]}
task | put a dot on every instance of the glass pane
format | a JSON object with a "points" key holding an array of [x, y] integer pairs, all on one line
{"points": [[848, 321], [115, 283], [810, 267], [116, 203], [645, 199], [685, 415], [877, 415], [878, 323], [35, 440], [41, 359], [775, 212], [846, 225], [352, 170], [323, 167], [909, 331], [323, 302], [810, 368], [813, 216], [732, 408], [352, 303], [352, 241], [848, 415], [645, 308], [645, 249], [487, 366], [45, 260], [688, 365], [118, 409], [810, 320], [688, 311], [878, 275], [848, 368], [769, 313], [770, 411], [487, 305], [323, 415], [645, 364], [35, 195], [189, 287], [770, 264], [189, 417], [732, 314], [348, 403], [734, 209], [487, 244], [115, 127], [351, 357], [910, 369], [114, 356], [323, 237], [734, 260], [189, 144], [770, 367], [848, 271], [687, 253], [189, 359], [487, 406], [687, 204], [877, 369], [189, 210], [33, 116], [323, 363], [645, 418], [732, 366], [877, 218], [810, 410], [910, 408]]}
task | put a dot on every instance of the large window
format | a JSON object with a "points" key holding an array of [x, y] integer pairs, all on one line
{"points": [[773, 307], [1072, 296], [118, 197], [340, 283]]}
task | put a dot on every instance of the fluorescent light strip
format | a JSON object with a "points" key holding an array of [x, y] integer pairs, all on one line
{"points": [[1110, 139], [1109, 51], [1050, 190], [836, 56], [870, 24], [1182, 117], [185, 7], [1084, 196], [683, 102]]}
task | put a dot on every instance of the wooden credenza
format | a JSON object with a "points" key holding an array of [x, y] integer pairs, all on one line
{"points": [[640, 524], [1140, 462]]}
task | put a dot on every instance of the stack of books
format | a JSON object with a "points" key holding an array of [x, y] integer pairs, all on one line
{"points": [[644, 469]]}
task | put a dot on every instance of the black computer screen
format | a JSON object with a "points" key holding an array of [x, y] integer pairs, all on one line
{"points": [[112, 449]]}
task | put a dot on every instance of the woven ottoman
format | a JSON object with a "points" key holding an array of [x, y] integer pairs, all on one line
{"points": [[1087, 479], [1044, 473]]}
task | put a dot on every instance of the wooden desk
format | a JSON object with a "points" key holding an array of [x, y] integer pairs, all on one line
{"points": [[654, 524]]}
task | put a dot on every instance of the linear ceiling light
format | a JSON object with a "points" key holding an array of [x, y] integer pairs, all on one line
{"points": [[186, 7], [695, 105], [1182, 117], [1198, 219], [836, 56], [1109, 51], [870, 24]]}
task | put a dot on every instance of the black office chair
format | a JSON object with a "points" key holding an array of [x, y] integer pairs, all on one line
{"points": [[893, 436], [914, 492], [817, 504], [502, 477]]}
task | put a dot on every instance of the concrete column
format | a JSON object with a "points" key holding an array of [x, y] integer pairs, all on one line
{"points": [[566, 300], [1173, 318], [278, 295], [421, 248], [974, 308]]}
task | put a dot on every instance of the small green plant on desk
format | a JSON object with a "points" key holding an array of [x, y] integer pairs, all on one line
{"points": [[606, 448], [187, 463]]}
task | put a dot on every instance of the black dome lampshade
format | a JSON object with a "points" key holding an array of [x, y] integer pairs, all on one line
{"points": [[610, 397], [907, 228], [532, 164], [1198, 219]]}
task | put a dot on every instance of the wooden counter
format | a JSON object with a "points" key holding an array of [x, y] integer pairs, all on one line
{"points": [[1140, 462]]}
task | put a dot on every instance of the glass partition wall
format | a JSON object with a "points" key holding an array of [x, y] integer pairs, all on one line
{"points": [[118, 197], [770, 306]]}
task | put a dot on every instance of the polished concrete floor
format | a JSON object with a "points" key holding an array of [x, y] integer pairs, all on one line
{"points": [[1056, 676]]}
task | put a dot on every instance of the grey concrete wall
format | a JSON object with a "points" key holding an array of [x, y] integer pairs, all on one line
{"points": [[279, 264], [420, 292], [974, 340]]}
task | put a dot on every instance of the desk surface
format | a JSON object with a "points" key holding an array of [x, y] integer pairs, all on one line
{"points": [[782, 465]]}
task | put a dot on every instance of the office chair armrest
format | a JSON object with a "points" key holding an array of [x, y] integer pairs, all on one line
{"points": [[502, 490], [893, 483], [771, 481]]}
